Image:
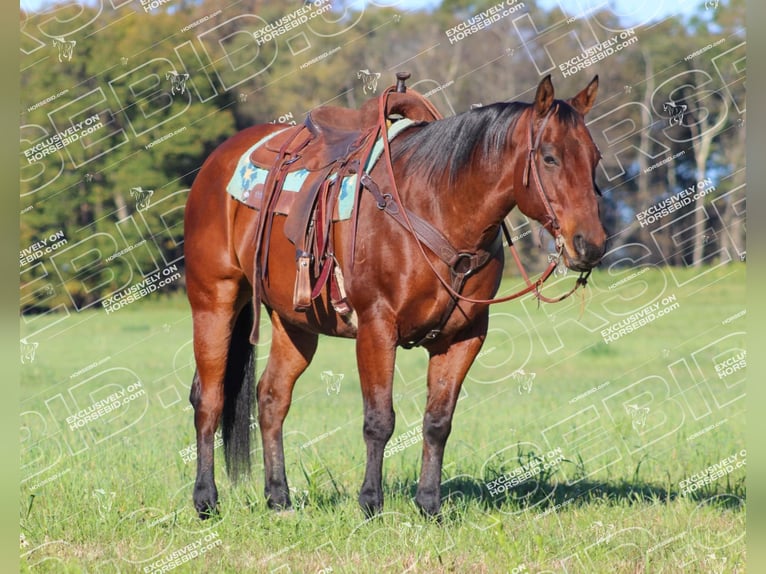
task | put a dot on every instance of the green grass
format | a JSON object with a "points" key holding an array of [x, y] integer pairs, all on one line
{"points": [[115, 495]]}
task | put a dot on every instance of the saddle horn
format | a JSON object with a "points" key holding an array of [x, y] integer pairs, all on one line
{"points": [[401, 77]]}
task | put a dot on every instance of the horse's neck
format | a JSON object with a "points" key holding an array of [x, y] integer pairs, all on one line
{"points": [[471, 210]]}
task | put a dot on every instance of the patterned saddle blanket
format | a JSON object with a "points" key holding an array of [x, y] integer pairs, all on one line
{"points": [[248, 180]]}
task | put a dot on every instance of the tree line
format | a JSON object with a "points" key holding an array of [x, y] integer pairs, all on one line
{"points": [[123, 101]]}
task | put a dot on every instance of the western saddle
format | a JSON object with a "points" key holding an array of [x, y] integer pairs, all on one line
{"points": [[332, 144]]}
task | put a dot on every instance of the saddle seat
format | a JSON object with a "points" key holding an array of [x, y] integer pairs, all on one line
{"points": [[326, 119], [333, 133]]}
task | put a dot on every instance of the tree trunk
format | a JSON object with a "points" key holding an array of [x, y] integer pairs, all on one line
{"points": [[701, 146], [122, 208], [702, 138]]}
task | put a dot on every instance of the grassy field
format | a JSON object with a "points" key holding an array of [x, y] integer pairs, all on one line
{"points": [[576, 447]]}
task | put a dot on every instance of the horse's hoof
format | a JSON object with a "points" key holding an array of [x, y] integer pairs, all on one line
{"points": [[429, 506], [207, 513], [281, 505], [370, 505], [206, 501], [370, 511]]}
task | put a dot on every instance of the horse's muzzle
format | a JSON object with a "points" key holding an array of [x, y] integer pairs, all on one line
{"points": [[587, 255]]}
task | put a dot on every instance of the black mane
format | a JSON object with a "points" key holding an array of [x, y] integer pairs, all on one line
{"points": [[447, 146]]}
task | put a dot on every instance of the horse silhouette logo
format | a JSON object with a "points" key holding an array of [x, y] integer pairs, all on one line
{"points": [[177, 82], [524, 380], [675, 112], [603, 532], [332, 380], [28, 351], [711, 4], [714, 564], [637, 415], [369, 80], [104, 501], [142, 197], [411, 532], [65, 48]]}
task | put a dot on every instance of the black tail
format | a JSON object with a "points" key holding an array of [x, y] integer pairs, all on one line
{"points": [[239, 396]]}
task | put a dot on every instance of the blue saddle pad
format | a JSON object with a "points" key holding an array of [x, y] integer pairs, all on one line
{"points": [[248, 178]]}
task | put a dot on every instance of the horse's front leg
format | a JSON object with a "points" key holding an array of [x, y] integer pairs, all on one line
{"points": [[447, 368], [376, 354]]}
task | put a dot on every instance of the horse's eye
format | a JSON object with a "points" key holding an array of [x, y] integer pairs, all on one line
{"points": [[550, 160]]}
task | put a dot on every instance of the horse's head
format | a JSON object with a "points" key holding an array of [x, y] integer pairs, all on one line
{"points": [[557, 182]]}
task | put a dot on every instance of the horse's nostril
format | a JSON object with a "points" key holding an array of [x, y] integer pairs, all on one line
{"points": [[586, 251]]}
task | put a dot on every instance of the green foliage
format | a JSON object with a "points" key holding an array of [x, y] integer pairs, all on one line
{"points": [[156, 140], [84, 189]]}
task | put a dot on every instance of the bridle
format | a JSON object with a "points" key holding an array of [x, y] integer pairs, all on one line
{"points": [[405, 218], [551, 219]]}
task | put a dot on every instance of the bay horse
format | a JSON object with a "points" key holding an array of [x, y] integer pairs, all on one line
{"points": [[461, 175]]}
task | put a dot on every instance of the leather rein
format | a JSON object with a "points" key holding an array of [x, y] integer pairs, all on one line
{"points": [[462, 264]]}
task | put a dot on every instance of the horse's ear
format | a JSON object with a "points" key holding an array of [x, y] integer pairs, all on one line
{"points": [[544, 96], [583, 101]]}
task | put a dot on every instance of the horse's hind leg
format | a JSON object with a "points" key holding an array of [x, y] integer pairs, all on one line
{"points": [[291, 352], [215, 319], [446, 370]]}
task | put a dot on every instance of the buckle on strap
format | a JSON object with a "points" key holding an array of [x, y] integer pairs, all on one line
{"points": [[465, 263]]}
